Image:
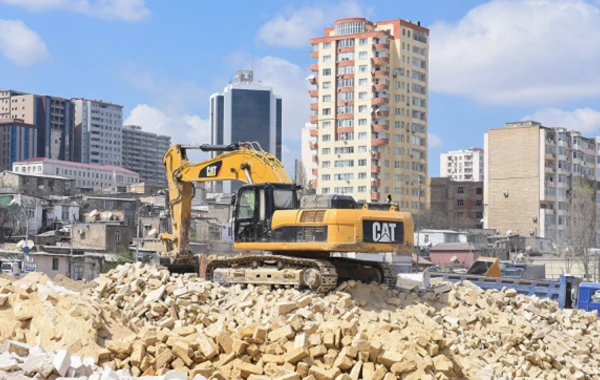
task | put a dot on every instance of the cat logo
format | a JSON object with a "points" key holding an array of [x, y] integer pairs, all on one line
{"points": [[211, 171], [384, 232]]}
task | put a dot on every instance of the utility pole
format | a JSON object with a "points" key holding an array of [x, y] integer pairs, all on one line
{"points": [[71, 262]]}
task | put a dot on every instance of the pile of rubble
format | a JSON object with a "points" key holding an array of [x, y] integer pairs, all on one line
{"points": [[358, 332], [179, 326]]}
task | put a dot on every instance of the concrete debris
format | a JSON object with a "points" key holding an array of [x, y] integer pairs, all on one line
{"points": [[181, 327]]}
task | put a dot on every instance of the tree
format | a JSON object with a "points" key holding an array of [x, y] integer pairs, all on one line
{"points": [[581, 224], [9, 216]]}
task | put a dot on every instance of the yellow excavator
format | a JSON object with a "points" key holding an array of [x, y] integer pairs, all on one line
{"points": [[295, 236]]}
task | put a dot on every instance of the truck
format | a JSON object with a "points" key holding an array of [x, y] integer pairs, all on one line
{"points": [[569, 292]]}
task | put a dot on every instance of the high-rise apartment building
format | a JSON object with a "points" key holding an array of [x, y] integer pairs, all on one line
{"points": [[245, 111], [463, 165], [143, 153], [98, 132], [18, 141], [53, 117], [529, 175], [308, 156], [369, 106]]}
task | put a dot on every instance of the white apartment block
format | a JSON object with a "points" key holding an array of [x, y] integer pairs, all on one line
{"points": [[369, 107], [89, 177], [308, 156], [463, 165], [98, 132]]}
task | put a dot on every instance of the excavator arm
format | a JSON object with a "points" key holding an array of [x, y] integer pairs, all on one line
{"points": [[239, 161]]}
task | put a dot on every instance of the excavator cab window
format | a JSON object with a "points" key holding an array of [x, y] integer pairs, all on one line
{"points": [[255, 207]]}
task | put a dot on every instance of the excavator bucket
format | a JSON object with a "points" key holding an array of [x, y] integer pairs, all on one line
{"points": [[486, 266]]}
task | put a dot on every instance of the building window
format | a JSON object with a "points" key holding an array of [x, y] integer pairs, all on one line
{"points": [[362, 82], [326, 72], [55, 263], [363, 41], [478, 203], [117, 237], [326, 58], [479, 190], [460, 202], [460, 214], [362, 55], [326, 98], [326, 84], [479, 215], [460, 190]]}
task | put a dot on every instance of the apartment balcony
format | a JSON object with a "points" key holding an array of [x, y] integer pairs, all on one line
{"points": [[314, 106], [379, 141], [314, 119], [314, 146], [314, 67], [375, 169], [346, 89], [381, 46], [346, 62], [380, 127], [346, 49], [375, 182], [315, 171], [348, 76], [375, 196], [344, 129], [315, 158], [314, 132], [380, 100], [344, 116], [313, 93], [314, 54], [549, 169], [314, 80], [381, 86], [381, 74], [376, 155], [380, 114], [314, 184], [380, 60], [341, 103]]}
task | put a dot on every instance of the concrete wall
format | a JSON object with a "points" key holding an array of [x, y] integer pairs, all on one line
{"points": [[513, 166], [102, 236], [44, 264], [15, 183]]}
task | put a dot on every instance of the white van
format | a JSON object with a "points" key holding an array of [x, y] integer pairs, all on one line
{"points": [[12, 268]]}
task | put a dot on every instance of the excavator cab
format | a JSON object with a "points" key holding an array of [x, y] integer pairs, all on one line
{"points": [[254, 208]]}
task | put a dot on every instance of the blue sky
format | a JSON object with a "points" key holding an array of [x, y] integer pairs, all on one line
{"points": [[490, 62]]}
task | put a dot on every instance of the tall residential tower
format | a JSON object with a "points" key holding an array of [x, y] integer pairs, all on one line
{"points": [[98, 132], [369, 107], [246, 111], [143, 153], [462, 165]]}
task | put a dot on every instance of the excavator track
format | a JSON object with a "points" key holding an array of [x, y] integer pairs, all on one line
{"points": [[320, 276]]}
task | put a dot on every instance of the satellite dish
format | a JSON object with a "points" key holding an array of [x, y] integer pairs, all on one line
{"points": [[508, 232], [106, 215], [12, 202], [453, 259], [30, 244], [519, 257], [20, 244], [93, 213], [152, 232]]}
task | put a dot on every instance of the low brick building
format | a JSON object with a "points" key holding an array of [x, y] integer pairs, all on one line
{"points": [[108, 237], [462, 202]]}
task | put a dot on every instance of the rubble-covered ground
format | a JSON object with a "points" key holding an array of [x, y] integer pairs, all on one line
{"points": [[142, 321]]}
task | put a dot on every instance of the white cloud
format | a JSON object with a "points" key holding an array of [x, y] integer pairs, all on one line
{"points": [[519, 52], [20, 44], [435, 141], [585, 120], [127, 10], [150, 118], [295, 27]]}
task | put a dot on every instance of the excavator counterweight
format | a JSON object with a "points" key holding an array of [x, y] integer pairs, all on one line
{"points": [[298, 239]]}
